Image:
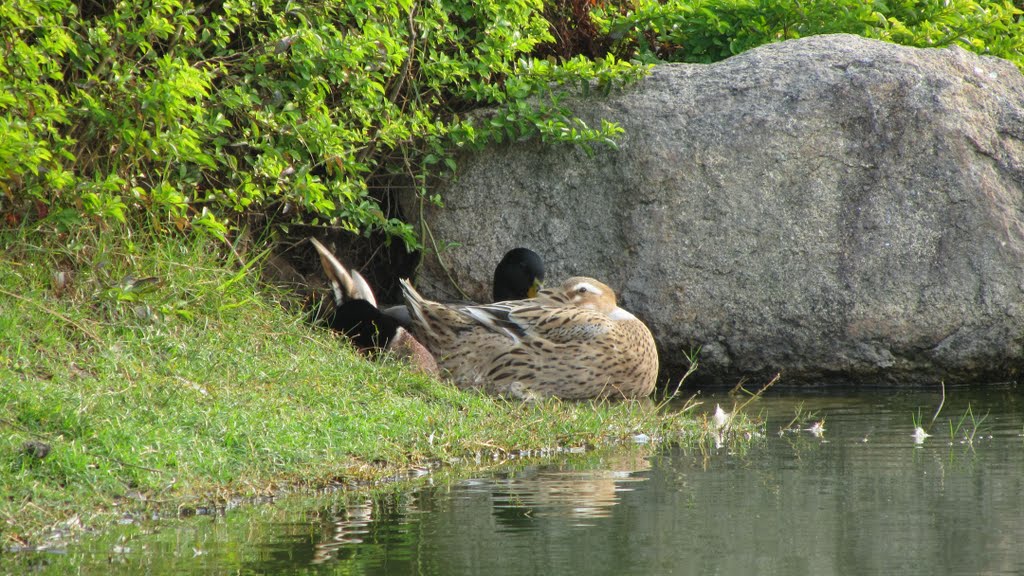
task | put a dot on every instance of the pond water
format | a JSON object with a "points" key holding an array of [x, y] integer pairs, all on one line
{"points": [[861, 496]]}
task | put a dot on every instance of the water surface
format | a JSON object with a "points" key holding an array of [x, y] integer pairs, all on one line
{"points": [[861, 496]]}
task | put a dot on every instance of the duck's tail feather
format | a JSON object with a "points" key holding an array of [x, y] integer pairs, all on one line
{"points": [[363, 289], [346, 285], [414, 302]]}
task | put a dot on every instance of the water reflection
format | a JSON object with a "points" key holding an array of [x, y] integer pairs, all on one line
{"points": [[564, 491], [836, 485], [348, 528], [580, 492]]}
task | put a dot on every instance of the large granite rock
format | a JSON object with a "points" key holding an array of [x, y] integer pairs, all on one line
{"points": [[835, 208]]}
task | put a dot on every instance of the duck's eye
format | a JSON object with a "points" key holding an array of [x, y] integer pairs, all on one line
{"points": [[586, 288]]}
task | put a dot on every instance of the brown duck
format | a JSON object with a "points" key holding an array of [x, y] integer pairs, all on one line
{"points": [[571, 342]]}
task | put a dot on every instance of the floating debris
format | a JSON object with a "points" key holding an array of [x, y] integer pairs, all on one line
{"points": [[641, 438], [920, 435], [817, 429], [719, 440], [721, 418]]}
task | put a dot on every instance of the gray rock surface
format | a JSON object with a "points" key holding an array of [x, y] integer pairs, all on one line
{"points": [[835, 208]]}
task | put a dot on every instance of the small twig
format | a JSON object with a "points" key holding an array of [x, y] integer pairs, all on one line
{"points": [[489, 445], [738, 387], [53, 312], [798, 416], [941, 403], [690, 370], [123, 463], [758, 394], [18, 426], [437, 253], [28, 432], [407, 65]]}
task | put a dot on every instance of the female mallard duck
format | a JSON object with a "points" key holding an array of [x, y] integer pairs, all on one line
{"points": [[571, 342]]}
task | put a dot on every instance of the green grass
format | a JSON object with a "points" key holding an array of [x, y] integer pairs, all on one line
{"points": [[163, 376]]}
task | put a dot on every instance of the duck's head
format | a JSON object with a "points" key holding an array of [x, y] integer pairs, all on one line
{"points": [[586, 292], [519, 275], [364, 324]]}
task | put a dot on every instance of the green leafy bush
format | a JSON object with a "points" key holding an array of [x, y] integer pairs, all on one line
{"points": [[187, 112], [710, 30]]}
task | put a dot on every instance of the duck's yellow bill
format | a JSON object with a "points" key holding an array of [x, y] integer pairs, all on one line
{"points": [[534, 288]]}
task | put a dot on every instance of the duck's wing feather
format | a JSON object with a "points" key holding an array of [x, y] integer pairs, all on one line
{"points": [[525, 319], [505, 318], [517, 320]]}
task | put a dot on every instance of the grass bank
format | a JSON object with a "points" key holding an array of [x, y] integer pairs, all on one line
{"points": [[142, 374]]}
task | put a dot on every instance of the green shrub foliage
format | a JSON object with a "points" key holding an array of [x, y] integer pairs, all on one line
{"points": [[187, 113], [710, 30]]}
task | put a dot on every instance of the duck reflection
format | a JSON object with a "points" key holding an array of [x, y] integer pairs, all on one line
{"points": [[580, 491], [350, 525], [565, 491]]}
